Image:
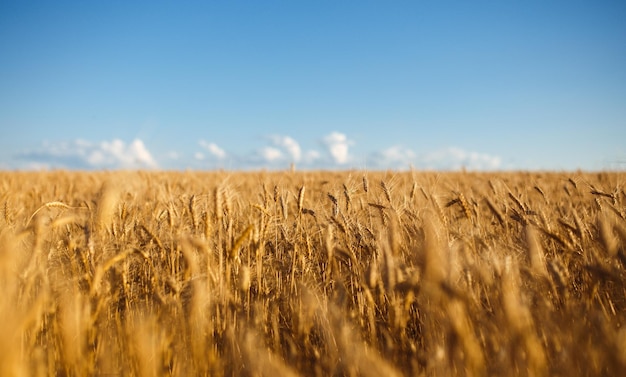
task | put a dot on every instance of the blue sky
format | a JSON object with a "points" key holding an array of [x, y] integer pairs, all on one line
{"points": [[491, 85]]}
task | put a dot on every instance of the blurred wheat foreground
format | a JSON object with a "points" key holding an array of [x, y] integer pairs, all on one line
{"points": [[312, 273]]}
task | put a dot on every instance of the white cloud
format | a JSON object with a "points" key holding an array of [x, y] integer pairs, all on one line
{"points": [[213, 149], [311, 156], [116, 154], [289, 144], [269, 154], [139, 154], [337, 145], [36, 166], [96, 158], [82, 143], [216, 151], [453, 158], [393, 157], [198, 156], [81, 154]]}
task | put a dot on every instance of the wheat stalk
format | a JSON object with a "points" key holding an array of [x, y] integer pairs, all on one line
{"points": [[48, 206], [301, 198]]}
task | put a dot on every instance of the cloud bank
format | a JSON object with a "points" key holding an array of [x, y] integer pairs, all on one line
{"points": [[278, 152], [451, 158], [83, 154], [455, 158]]}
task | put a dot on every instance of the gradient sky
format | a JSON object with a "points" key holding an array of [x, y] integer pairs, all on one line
{"points": [[326, 84]]}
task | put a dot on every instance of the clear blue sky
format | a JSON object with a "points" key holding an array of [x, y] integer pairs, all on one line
{"points": [[327, 84]]}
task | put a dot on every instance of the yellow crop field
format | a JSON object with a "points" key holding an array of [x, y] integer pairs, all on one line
{"points": [[312, 273]]}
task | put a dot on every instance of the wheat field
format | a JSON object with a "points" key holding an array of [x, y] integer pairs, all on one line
{"points": [[312, 273]]}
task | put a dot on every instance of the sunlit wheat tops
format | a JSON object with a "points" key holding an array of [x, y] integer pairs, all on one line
{"points": [[312, 274]]}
